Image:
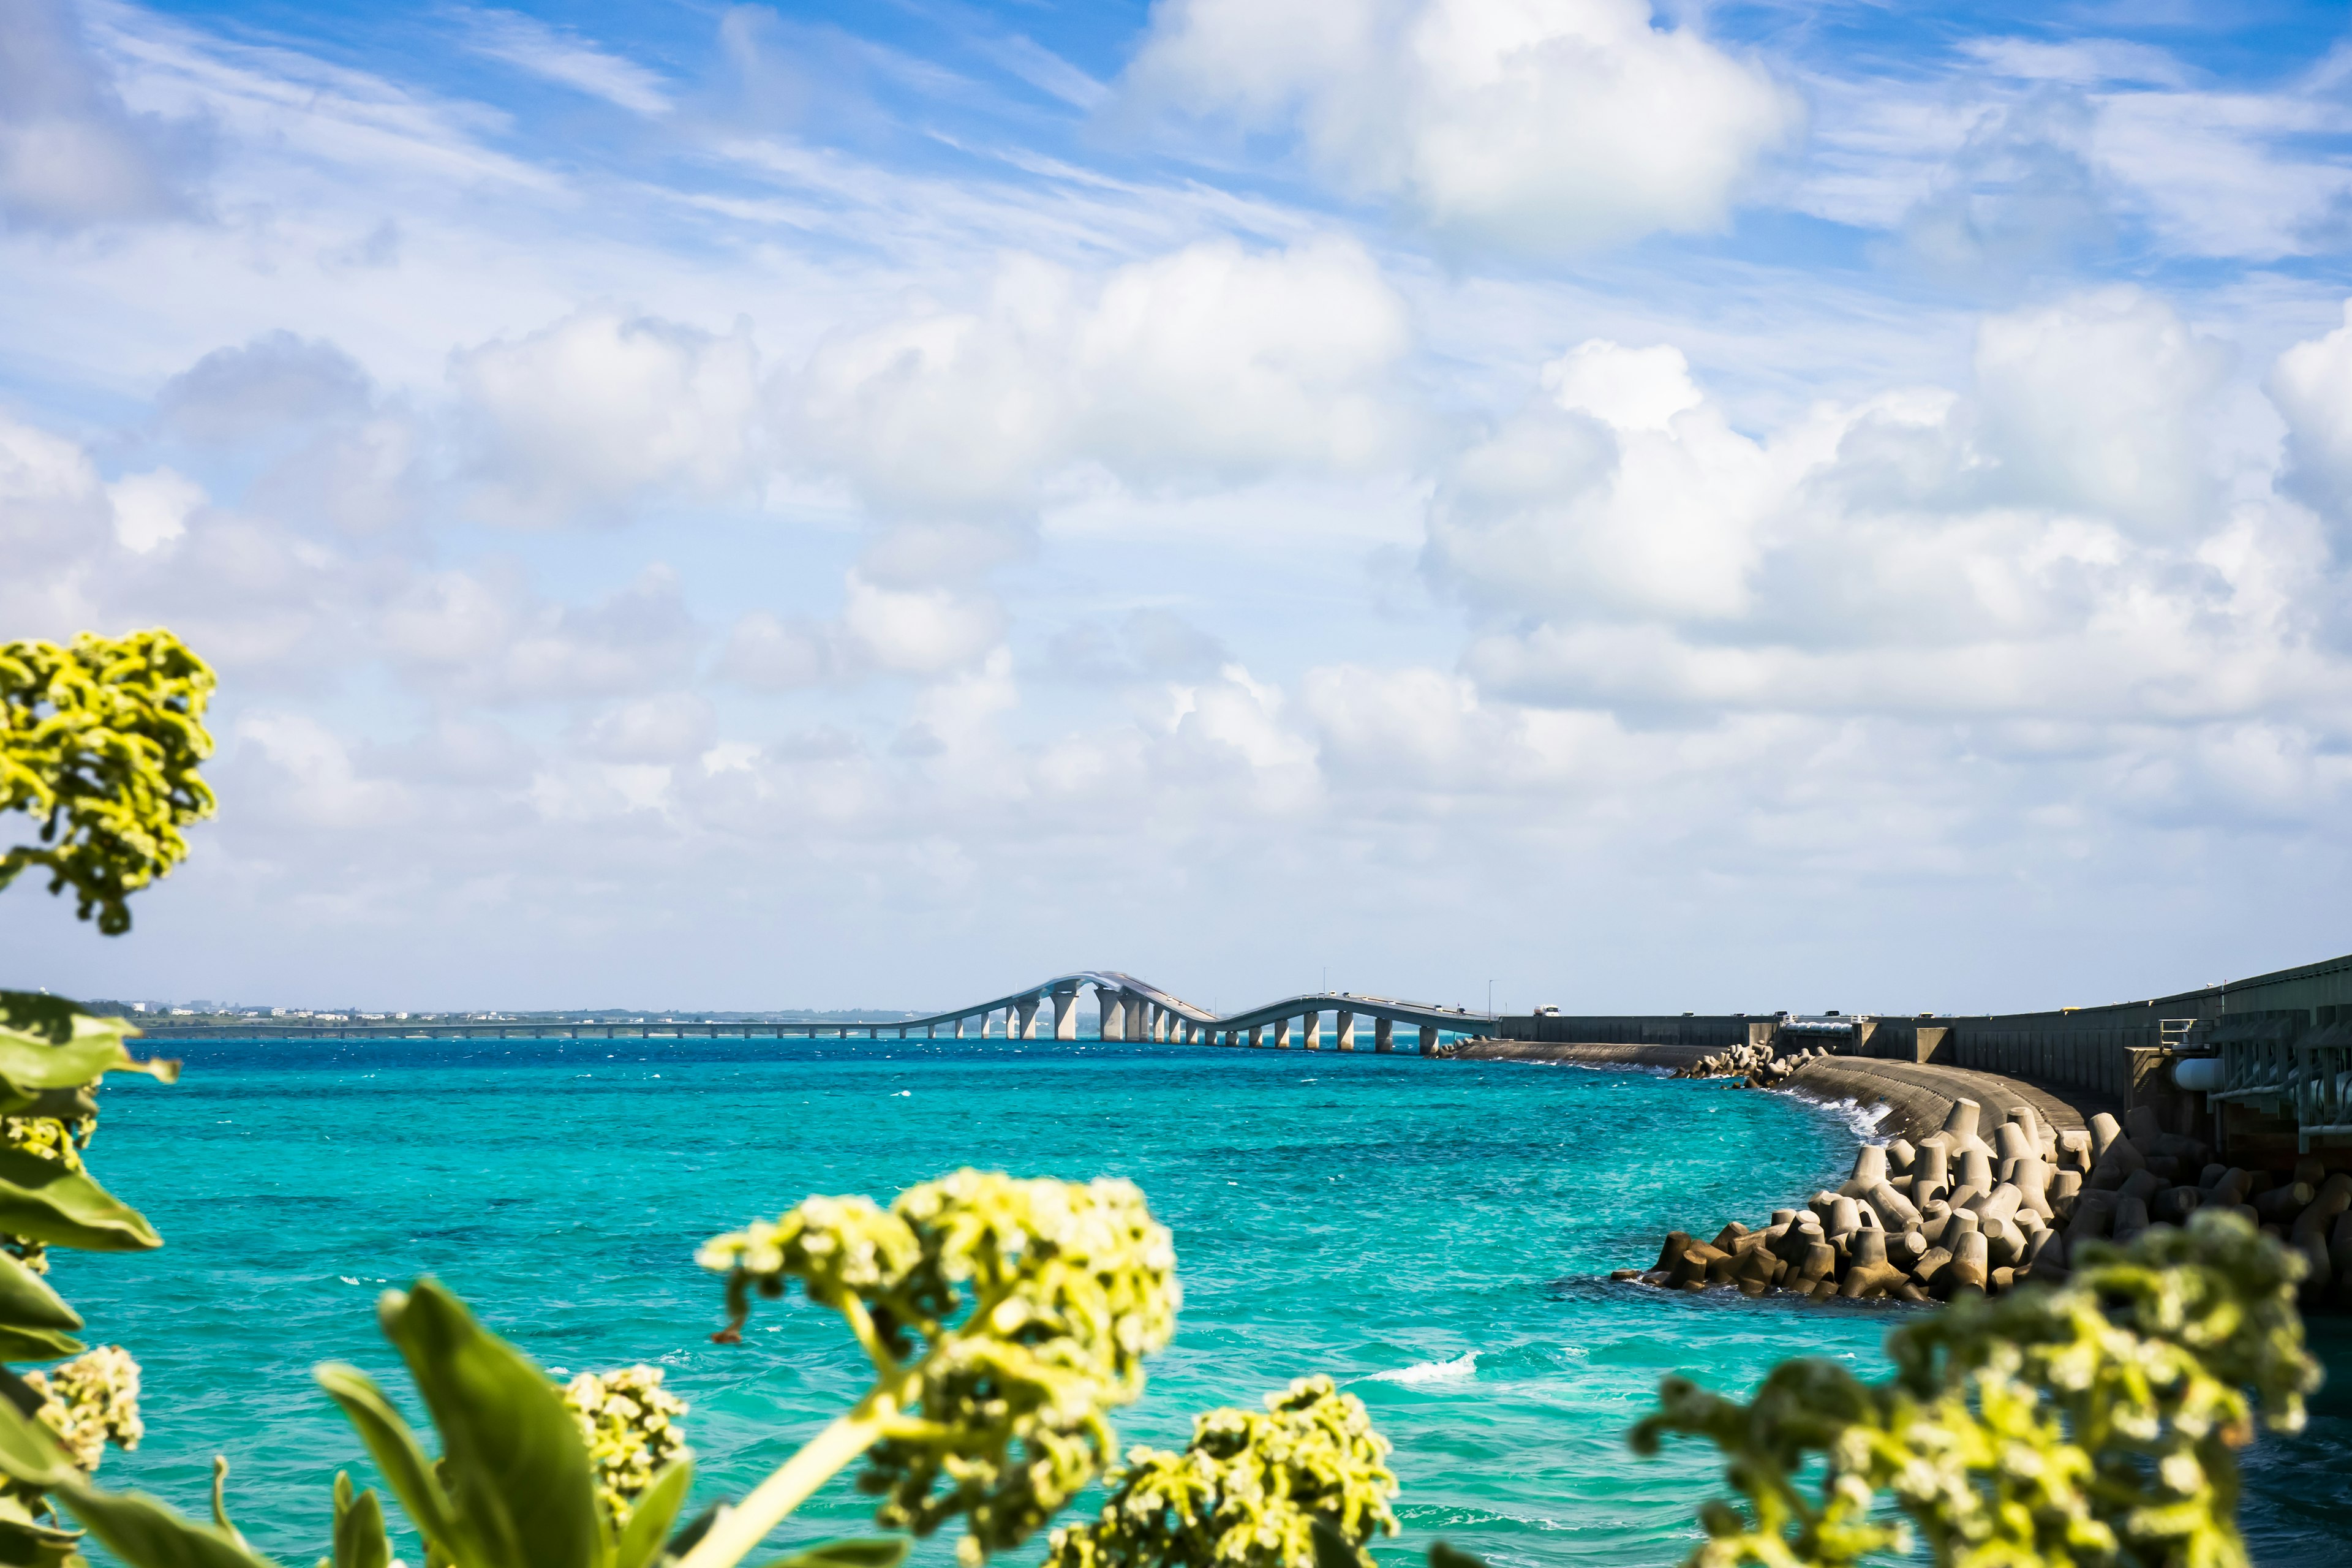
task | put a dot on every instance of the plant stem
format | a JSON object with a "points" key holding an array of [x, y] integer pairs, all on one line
{"points": [[739, 1529]]}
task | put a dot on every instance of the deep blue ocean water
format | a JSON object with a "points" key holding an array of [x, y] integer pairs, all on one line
{"points": [[1437, 1235]]}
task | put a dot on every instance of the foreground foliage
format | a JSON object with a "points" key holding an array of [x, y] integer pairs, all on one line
{"points": [[100, 742], [2093, 1423]]}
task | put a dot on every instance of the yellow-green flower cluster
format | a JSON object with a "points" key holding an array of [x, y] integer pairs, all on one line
{"points": [[1004, 1317], [48, 1137], [99, 743], [1247, 1493], [90, 1402], [2094, 1423], [630, 1425]]}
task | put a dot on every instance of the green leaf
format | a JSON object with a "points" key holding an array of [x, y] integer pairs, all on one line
{"points": [[146, 1534], [37, 1344], [27, 1544], [512, 1459], [863, 1552], [41, 1199], [655, 1511], [359, 1541], [1331, 1548], [30, 1063], [47, 1018], [27, 1302], [29, 1454], [1443, 1557], [393, 1447]]}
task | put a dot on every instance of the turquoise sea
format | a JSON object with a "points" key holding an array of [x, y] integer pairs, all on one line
{"points": [[1435, 1234]]}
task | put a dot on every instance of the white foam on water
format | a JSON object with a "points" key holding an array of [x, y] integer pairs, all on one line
{"points": [[1461, 1369]]}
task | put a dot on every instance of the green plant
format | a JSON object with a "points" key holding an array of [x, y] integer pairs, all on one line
{"points": [[100, 742], [2092, 1424], [1003, 1318], [1251, 1490]]}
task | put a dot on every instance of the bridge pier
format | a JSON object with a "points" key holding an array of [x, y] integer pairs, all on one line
{"points": [[1384, 1035], [1065, 1012], [1160, 1018], [1313, 1030], [1026, 1028], [1428, 1039], [1112, 1009], [1346, 1040], [1281, 1028]]}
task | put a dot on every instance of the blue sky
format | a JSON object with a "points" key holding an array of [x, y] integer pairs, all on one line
{"points": [[1719, 507]]}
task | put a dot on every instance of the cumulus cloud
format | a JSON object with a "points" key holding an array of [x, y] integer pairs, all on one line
{"points": [[588, 418], [668, 727], [2097, 404], [485, 637], [1215, 364], [1542, 127], [72, 154], [2021, 195], [256, 390], [2311, 386], [1621, 489], [924, 631], [2052, 542]]}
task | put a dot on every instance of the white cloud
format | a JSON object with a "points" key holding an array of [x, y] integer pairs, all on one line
{"points": [[917, 632], [1539, 126], [2311, 386], [486, 637], [1212, 364], [530, 45], [1624, 491], [587, 417], [151, 509], [72, 154], [316, 784], [2054, 544], [666, 727], [2100, 404]]}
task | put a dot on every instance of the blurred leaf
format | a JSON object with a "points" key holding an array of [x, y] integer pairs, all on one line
{"points": [[37, 1344], [146, 1534], [31, 1061], [27, 1301], [29, 1453], [359, 1541], [49, 1019], [656, 1512], [393, 1447], [1331, 1548], [41, 1199], [861, 1551], [25, 1542], [515, 1470]]}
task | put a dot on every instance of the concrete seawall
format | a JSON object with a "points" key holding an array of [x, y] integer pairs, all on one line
{"points": [[1919, 1096], [1580, 1053]]}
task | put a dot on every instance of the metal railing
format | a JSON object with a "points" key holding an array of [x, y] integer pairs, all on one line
{"points": [[2323, 1096]]}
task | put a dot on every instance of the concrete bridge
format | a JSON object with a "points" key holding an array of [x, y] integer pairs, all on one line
{"points": [[1131, 1009]]}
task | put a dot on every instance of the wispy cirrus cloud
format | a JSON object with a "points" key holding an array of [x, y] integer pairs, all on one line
{"points": [[562, 57]]}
